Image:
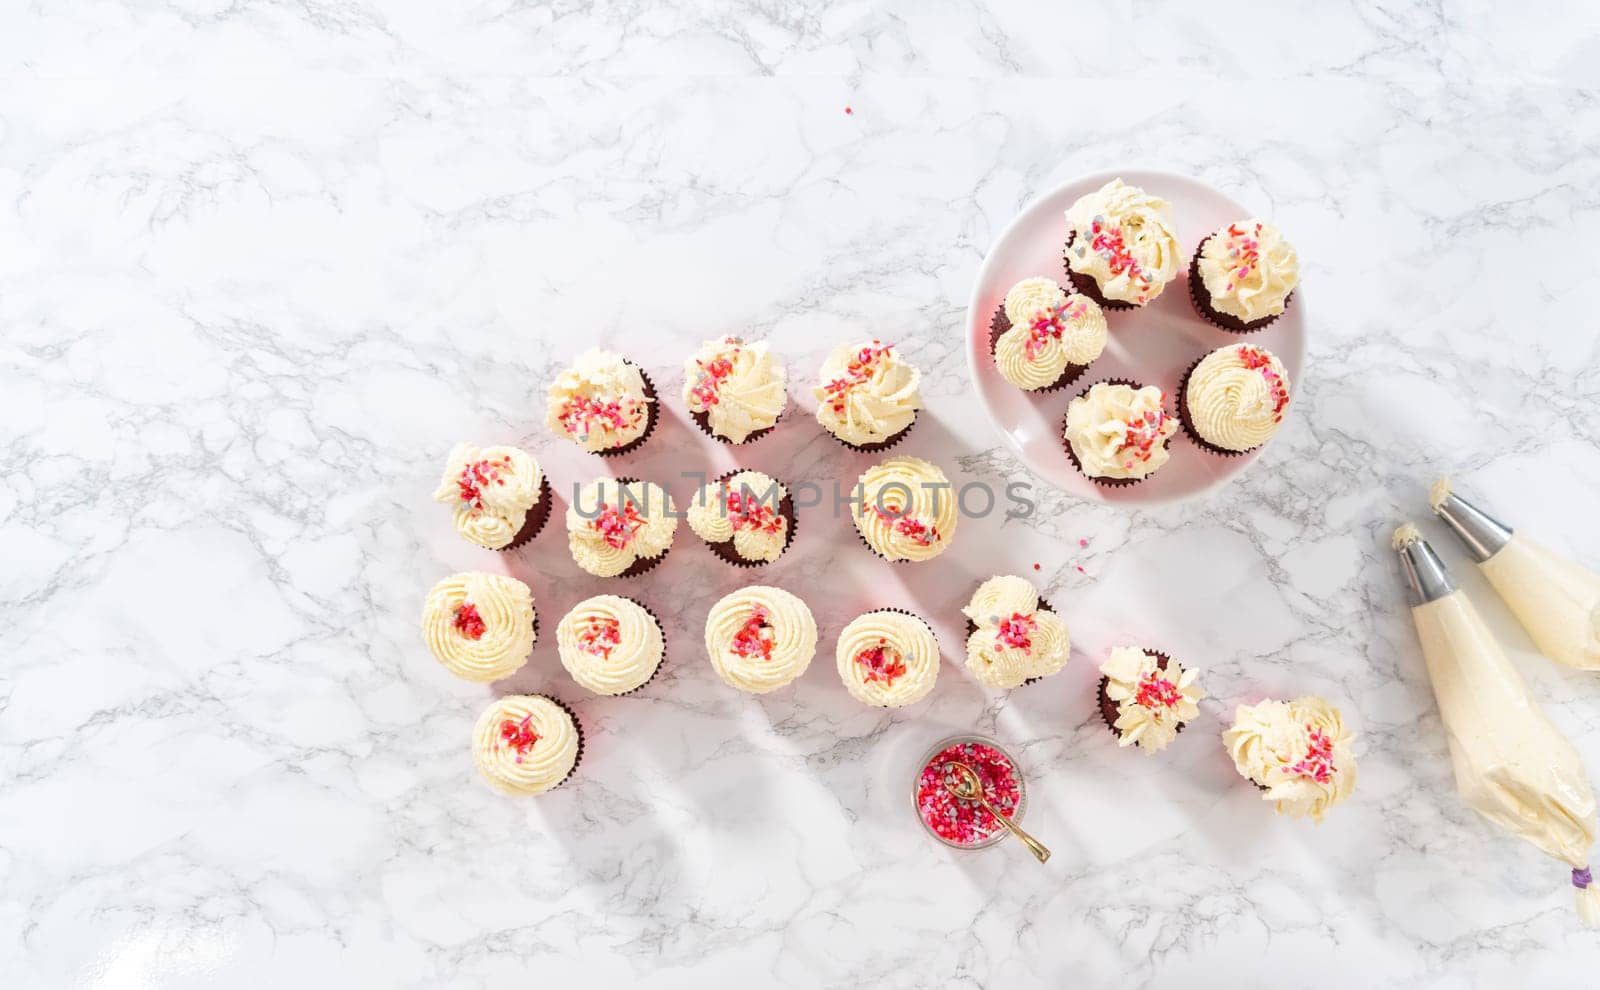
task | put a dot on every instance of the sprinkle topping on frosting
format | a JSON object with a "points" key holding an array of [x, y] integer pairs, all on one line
{"points": [[1156, 692], [1015, 632], [600, 636], [468, 622], [860, 369], [880, 663], [707, 382], [1256, 359], [754, 638], [580, 416], [518, 737], [1317, 764], [477, 475], [616, 527]]}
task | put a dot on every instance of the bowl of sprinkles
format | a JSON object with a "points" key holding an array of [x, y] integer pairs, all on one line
{"points": [[958, 822]]}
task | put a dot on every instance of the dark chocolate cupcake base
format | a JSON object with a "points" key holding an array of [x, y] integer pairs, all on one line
{"points": [[538, 515], [578, 726], [1202, 301], [999, 325]]}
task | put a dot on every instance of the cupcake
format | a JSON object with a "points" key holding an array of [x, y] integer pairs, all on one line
{"points": [[1232, 400], [760, 639], [1042, 338], [1146, 697], [1121, 246], [603, 403], [621, 527], [888, 658], [734, 390], [500, 497], [905, 509], [481, 627], [610, 645], [526, 744], [1013, 637], [746, 517], [869, 396], [1116, 432], [1298, 752], [1242, 276]]}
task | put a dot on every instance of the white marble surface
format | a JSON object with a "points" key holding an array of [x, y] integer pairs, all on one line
{"points": [[262, 263]]}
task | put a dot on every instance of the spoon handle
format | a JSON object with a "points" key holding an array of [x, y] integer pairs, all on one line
{"points": [[1034, 845]]}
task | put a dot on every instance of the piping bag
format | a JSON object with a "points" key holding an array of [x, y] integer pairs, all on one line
{"points": [[1512, 765], [1556, 600]]}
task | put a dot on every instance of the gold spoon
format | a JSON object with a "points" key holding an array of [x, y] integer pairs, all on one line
{"points": [[968, 787]]}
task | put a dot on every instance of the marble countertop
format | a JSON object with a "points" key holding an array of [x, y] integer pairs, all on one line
{"points": [[262, 264]]}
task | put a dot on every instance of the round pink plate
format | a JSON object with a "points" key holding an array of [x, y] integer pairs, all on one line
{"points": [[1153, 345]]}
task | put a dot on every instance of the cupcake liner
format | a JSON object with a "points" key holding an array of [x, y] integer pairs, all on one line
{"points": [[660, 663], [651, 417], [538, 515], [884, 444], [1071, 373], [1108, 708], [703, 421], [931, 631], [1072, 455], [1186, 420], [725, 551], [577, 725], [1085, 285], [1214, 316]]}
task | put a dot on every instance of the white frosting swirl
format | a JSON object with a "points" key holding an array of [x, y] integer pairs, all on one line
{"points": [[611, 525], [1152, 702], [479, 626], [1016, 639], [889, 659], [906, 509], [1236, 396], [742, 508], [1122, 237], [760, 639], [525, 744], [1249, 269], [1119, 432], [868, 393], [610, 645], [1298, 750], [1050, 332], [491, 489], [737, 385], [599, 403]]}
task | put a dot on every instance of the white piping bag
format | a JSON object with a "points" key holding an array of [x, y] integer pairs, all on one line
{"points": [[1556, 600], [1512, 765]]}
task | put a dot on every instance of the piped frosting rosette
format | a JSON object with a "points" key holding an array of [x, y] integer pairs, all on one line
{"points": [[1046, 337], [734, 388], [1244, 274], [1016, 639], [603, 403], [610, 645], [620, 526], [905, 509], [868, 394], [1121, 244], [1233, 399], [479, 626], [1154, 697], [491, 490], [746, 508], [888, 658], [759, 638], [1299, 751], [526, 744]]}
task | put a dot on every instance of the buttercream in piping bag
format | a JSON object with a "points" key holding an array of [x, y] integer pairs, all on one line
{"points": [[1556, 600], [1512, 765]]}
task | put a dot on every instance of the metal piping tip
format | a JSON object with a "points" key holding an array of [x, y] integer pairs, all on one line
{"points": [[1483, 534], [1426, 578]]}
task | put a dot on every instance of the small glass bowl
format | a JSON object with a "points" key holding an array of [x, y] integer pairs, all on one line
{"points": [[941, 746]]}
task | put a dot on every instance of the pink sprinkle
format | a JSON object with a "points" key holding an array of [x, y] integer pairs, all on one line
{"points": [[848, 110], [1081, 570], [1083, 543]]}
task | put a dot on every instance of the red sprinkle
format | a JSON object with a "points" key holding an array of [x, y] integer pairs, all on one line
{"points": [[1050, 323], [1258, 360], [848, 110], [746, 510], [1155, 690], [959, 820], [1016, 632], [602, 635], [582, 415], [755, 638], [1318, 761], [618, 528], [860, 369], [518, 736], [476, 475], [881, 663], [468, 621], [1036, 566], [708, 384]]}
